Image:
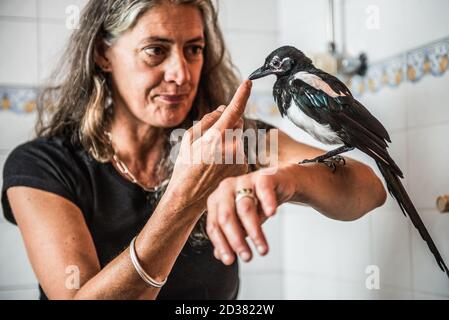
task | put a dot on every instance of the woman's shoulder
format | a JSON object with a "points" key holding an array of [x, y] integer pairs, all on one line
{"points": [[46, 163]]}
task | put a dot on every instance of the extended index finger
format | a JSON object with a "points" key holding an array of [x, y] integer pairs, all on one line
{"points": [[236, 107]]}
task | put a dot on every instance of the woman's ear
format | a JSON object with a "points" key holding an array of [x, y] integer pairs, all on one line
{"points": [[100, 57]]}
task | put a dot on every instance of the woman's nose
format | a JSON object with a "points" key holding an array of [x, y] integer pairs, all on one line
{"points": [[177, 69]]}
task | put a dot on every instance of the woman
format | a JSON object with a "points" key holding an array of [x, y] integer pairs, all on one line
{"points": [[103, 212]]}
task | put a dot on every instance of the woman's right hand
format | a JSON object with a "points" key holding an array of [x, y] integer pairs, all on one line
{"points": [[198, 169]]}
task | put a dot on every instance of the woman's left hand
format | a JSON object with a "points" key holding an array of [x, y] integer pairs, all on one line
{"points": [[228, 222]]}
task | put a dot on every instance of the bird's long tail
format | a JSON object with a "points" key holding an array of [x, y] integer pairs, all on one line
{"points": [[397, 190]]}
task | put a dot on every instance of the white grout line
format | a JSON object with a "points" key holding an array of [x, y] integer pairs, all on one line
{"points": [[407, 185], [428, 125], [440, 295], [260, 272], [38, 44], [344, 280], [250, 31], [32, 19], [30, 286]]}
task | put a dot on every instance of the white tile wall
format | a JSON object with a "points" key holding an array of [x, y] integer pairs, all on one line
{"points": [[353, 249], [13, 135], [248, 51], [428, 101], [428, 277], [394, 294], [392, 247], [3, 156], [18, 56], [303, 24], [389, 107], [424, 296], [312, 287], [14, 8], [20, 294], [261, 286], [52, 40], [429, 174], [309, 287], [355, 291], [251, 15], [398, 28], [309, 241], [14, 266], [56, 9]]}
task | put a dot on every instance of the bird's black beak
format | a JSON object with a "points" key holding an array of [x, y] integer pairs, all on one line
{"points": [[259, 73]]}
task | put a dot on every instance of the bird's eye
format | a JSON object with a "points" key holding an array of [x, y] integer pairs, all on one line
{"points": [[275, 63]]}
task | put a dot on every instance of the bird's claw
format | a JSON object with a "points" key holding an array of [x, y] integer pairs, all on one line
{"points": [[329, 162], [339, 160], [307, 161], [333, 162]]}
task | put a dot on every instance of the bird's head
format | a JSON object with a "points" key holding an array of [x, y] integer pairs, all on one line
{"points": [[281, 62]]}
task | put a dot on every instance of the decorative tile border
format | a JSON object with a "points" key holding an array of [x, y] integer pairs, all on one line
{"points": [[411, 66], [23, 100], [18, 99]]}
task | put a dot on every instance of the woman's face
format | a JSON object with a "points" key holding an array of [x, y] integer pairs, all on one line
{"points": [[156, 66]]}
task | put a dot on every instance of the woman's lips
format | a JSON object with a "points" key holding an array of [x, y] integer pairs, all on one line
{"points": [[172, 98]]}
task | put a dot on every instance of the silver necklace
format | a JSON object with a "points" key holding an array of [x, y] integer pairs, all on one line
{"points": [[123, 168]]}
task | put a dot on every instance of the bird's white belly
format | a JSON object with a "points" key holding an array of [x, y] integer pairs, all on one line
{"points": [[322, 133]]}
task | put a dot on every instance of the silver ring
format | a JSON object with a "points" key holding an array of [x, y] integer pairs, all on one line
{"points": [[245, 193]]}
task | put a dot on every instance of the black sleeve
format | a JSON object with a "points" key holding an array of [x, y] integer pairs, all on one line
{"points": [[39, 164]]}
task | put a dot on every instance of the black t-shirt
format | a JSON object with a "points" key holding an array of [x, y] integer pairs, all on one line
{"points": [[115, 210]]}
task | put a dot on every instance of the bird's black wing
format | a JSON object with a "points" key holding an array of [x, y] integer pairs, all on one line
{"points": [[357, 111], [328, 101]]}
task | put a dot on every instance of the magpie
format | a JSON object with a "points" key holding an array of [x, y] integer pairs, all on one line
{"points": [[323, 106]]}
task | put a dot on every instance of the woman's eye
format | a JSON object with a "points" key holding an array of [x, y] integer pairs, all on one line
{"points": [[154, 51], [194, 51]]}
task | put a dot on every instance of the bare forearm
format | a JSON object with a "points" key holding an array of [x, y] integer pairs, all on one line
{"points": [[157, 246], [347, 194]]}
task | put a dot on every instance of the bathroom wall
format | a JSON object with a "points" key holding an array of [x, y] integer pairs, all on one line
{"points": [[311, 256], [325, 259]]}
